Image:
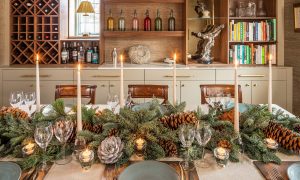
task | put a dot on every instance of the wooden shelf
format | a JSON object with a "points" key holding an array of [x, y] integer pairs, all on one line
{"points": [[251, 18], [204, 19], [125, 34], [254, 42], [144, 1]]}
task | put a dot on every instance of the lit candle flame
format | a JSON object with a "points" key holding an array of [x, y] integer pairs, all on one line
{"points": [[270, 57], [37, 58], [79, 67], [121, 58], [175, 57]]}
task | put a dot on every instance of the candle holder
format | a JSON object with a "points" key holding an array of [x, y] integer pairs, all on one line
{"points": [[28, 149], [271, 144], [140, 145], [222, 156], [86, 159]]}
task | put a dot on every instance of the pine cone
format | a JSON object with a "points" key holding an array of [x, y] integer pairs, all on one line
{"points": [[87, 126], [227, 116], [110, 150], [175, 120], [97, 128], [224, 144], [169, 147], [297, 129], [15, 112], [113, 132], [284, 136]]}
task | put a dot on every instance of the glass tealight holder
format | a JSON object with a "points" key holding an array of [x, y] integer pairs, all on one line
{"points": [[140, 145], [271, 144], [222, 156], [28, 149], [86, 159]]}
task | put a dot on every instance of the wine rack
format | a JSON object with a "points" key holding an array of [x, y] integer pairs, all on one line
{"points": [[35, 29]]}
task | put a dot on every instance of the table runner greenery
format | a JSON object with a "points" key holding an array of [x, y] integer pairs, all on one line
{"points": [[158, 125]]}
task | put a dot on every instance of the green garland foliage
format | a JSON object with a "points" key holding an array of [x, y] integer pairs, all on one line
{"points": [[132, 124]]}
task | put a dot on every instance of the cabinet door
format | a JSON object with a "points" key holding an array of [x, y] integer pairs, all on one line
{"points": [[191, 93], [114, 88], [246, 90], [280, 93], [101, 91], [170, 90], [259, 92]]}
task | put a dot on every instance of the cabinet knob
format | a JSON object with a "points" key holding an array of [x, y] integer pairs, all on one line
{"points": [[247, 85], [111, 85], [103, 85], [182, 85], [254, 85]]}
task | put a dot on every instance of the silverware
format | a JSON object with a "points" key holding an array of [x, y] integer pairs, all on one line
{"points": [[275, 174], [181, 172]]}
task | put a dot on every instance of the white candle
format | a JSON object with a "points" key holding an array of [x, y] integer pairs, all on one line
{"points": [[270, 93], [236, 98], [79, 118], [38, 91], [174, 80], [122, 84]]}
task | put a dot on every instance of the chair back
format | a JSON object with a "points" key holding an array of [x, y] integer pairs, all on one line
{"points": [[149, 91], [70, 91], [208, 90]]}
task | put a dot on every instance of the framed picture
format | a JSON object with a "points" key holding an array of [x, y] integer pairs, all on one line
{"points": [[297, 17]]}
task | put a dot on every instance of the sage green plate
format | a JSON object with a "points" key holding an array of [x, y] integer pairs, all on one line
{"points": [[10, 171], [149, 170]]}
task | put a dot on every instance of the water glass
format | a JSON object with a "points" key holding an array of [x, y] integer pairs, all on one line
{"points": [[42, 136], [79, 146], [113, 102], [29, 99], [186, 136], [203, 135], [63, 129]]}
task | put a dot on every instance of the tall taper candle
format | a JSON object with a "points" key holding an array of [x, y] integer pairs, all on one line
{"points": [[236, 98], [270, 93], [174, 80], [38, 91], [122, 83], [79, 117]]}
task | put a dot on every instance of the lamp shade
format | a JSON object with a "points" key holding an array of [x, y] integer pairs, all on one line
{"points": [[85, 7]]}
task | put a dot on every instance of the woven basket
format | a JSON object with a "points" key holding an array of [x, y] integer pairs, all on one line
{"points": [[139, 54]]}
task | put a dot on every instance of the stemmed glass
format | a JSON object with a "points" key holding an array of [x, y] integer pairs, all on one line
{"points": [[129, 101], [113, 102], [29, 99], [227, 100], [63, 129], [186, 136], [42, 136], [203, 135], [16, 99]]}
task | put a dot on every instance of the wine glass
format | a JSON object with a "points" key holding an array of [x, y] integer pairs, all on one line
{"points": [[16, 99], [129, 101], [113, 102], [29, 99], [63, 129], [203, 135], [186, 136], [42, 136], [227, 100]]}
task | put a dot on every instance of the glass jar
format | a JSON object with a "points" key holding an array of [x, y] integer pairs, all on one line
{"points": [[242, 9]]}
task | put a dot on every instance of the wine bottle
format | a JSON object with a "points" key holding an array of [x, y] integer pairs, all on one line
{"points": [[147, 22], [74, 53], [158, 22], [64, 54], [135, 22], [171, 21], [70, 50], [80, 54], [110, 22], [89, 55], [121, 22], [95, 58]]}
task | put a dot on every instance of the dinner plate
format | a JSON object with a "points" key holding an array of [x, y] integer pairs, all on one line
{"points": [[293, 171], [10, 171], [149, 170]]}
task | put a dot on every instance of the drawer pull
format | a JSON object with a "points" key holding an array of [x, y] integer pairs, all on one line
{"points": [[103, 85], [247, 85], [254, 85], [33, 85], [33, 76], [103, 76], [255, 75], [111, 85], [168, 76]]}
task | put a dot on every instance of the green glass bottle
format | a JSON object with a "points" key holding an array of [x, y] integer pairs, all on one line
{"points": [[158, 22], [171, 22]]}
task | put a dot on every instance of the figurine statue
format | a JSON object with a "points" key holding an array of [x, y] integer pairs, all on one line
{"points": [[206, 42], [199, 8]]}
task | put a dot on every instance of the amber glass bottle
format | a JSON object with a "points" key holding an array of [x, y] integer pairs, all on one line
{"points": [[110, 22]]}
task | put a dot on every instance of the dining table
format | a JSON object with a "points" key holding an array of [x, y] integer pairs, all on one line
{"points": [[245, 169]]}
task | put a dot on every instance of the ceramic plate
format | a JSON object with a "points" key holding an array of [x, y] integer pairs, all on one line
{"points": [[294, 171], [9, 171], [149, 170]]}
